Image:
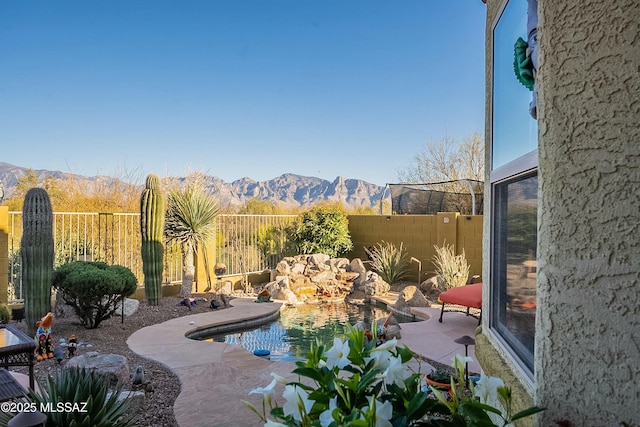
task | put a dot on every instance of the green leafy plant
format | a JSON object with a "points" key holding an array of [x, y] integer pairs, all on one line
{"points": [[5, 314], [356, 383], [441, 375], [81, 397], [389, 262], [453, 268], [93, 289], [322, 230]]}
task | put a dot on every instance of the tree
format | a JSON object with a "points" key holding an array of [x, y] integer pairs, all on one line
{"points": [[320, 230], [191, 221], [447, 159]]}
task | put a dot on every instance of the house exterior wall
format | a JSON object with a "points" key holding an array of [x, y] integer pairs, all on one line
{"points": [[587, 361], [587, 349]]}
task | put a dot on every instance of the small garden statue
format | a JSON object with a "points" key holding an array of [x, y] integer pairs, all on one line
{"points": [[72, 346], [264, 296], [43, 338]]}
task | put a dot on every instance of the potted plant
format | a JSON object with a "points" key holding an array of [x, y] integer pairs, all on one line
{"points": [[440, 378]]}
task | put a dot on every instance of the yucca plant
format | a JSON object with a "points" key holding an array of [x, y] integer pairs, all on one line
{"points": [[191, 221], [97, 403], [453, 268], [389, 262]]}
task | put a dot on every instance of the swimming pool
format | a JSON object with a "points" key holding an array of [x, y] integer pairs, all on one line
{"points": [[289, 338]]}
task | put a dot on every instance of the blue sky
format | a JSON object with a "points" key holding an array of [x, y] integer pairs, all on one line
{"points": [[236, 88]]}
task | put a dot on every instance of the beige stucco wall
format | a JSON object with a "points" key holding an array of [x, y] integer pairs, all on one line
{"points": [[587, 358]]}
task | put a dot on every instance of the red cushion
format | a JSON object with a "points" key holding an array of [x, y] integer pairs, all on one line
{"points": [[468, 296]]}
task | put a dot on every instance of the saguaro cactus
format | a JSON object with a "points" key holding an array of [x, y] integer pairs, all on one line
{"points": [[37, 255], [151, 229]]}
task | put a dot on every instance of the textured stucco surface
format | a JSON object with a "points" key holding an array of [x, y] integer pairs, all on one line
{"points": [[587, 362]]}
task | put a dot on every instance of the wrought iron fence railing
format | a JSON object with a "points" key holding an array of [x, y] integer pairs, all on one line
{"points": [[244, 243]]}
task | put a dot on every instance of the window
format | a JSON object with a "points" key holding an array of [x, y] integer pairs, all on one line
{"points": [[514, 194], [515, 210]]}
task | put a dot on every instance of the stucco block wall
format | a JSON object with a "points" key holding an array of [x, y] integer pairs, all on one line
{"points": [[587, 360], [419, 234], [4, 253]]}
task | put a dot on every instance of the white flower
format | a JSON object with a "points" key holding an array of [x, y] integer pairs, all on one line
{"points": [[338, 355], [280, 379], [380, 358], [386, 346], [460, 361], [298, 403], [396, 372], [487, 388], [384, 412], [326, 416], [271, 423], [268, 390]]}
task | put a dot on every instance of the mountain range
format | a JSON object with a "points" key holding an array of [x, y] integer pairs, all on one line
{"points": [[290, 189]]}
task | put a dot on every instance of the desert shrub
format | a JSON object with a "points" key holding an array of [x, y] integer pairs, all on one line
{"points": [[320, 230], [93, 289], [76, 386], [5, 314], [453, 268], [389, 262]]}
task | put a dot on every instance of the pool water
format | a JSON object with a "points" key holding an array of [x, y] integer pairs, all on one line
{"points": [[290, 337]]}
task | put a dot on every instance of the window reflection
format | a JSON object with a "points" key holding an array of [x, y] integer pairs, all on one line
{"points": [[515, 133], [515, 265]]}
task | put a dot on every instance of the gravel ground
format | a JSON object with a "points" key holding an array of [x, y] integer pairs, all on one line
{"points": [[156, 409]]}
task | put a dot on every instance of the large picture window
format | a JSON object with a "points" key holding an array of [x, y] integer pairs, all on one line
{"points": [[514, 263], [514, 194]]}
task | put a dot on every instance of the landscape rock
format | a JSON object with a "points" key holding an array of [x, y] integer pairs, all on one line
{"points": [[357, 266], [130, 307], [374, 285], [112, 366], [409, 297]]}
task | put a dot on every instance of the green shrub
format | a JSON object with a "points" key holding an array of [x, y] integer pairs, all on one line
{"points": [[97, 405], [93, 289], [389, 262], [320, 230], [5, 314], [453, 268]]}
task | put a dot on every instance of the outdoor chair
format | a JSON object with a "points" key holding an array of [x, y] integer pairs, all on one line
{"points": [[469, 296]]}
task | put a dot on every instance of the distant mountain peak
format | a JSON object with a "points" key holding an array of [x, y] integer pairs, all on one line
{"points": [[288, 188]]}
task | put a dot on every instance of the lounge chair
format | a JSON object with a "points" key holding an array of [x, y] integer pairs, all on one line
{"points": [[469, 296]]}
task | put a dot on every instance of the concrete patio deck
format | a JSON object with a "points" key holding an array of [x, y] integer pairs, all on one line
{"points": [[216, 377]]}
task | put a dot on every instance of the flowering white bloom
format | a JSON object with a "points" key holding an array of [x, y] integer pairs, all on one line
{"points": [[459, 360], [271, 423], [280, 379], [270, 389], [396, 372], [487, 388], [384, 412], [325, 417], [298, 402], [386, 346], [338, 355], [380, 358]]}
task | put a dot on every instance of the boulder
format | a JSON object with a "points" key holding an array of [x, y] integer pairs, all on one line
{"points": [[357, 266], [112, 366], [130, 307], [374, 285], [411, 296]]}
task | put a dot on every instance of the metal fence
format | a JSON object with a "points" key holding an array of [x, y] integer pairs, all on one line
{"points": [[244, 243]]}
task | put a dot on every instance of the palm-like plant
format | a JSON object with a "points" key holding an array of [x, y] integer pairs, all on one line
{"points": [[191, 221]]}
